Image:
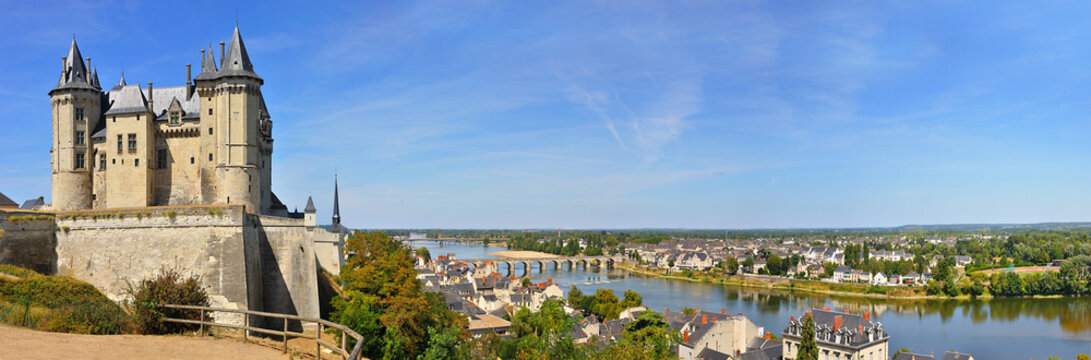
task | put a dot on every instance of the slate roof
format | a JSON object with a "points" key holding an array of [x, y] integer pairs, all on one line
{"points": [[32, 203], [913, 356], [310, 206], [709, 354], [6, 201], [75, 74], [955, 355], [129, 99], [761, 348]]}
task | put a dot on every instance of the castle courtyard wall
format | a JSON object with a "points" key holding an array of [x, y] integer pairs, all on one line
{"points": [[27, 241], [290, 284]]}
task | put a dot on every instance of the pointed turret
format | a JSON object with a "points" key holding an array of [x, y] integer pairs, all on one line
{"points": [[94, 78], [236, 62], [74, 74], [120, 82], [208, 66], [309, 218], [310, 206], [336, 203]]}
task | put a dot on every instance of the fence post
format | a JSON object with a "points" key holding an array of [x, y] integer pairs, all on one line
{"points": [[285, 334], [317, 344], [246, 326], [26, 312], [202, 317], [344, 344]]}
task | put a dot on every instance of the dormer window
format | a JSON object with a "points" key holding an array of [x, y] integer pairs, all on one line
{"points": [[175, 117]]}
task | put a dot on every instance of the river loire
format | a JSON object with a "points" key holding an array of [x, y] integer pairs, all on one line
{"points": [[988, 329]]}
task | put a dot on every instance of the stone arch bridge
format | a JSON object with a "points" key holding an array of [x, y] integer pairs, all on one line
{"points": [[572, 261]]}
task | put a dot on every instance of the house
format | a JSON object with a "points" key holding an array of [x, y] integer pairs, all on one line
{"points": [[694, 261], [723, 333], [763, 348], [482, 324], [838, 336], [860, 276], [879, 279], [912, 278], [842, 274], [962, 260], [33, 204]]}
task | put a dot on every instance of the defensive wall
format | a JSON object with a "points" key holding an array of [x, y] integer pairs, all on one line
{"points": [[244, 261]]}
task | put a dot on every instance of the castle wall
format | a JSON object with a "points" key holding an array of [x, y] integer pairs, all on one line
{"points": [[178, 181], [288, 262], [113, 248], [27, 240], [129, 173], [326, 251]]}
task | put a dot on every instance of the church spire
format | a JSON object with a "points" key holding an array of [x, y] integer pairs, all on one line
{"points": [[336, 203]]}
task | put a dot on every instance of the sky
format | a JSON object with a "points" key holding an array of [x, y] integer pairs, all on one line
{"points": [[615, 114]]}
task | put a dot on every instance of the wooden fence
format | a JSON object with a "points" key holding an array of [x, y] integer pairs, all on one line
{"points": [[284, 334]]}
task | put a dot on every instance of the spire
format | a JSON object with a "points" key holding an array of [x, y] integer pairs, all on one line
{"points": [[336, 203], [236, 59], [74, 74], [120, 82], [94, 78], [310, 206]]}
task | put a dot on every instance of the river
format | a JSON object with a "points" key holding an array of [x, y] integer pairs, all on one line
{"points": [[987, 329]]}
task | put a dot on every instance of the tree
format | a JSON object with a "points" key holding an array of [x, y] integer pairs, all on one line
{"points": [[732, 265], [383, 301], [1083, 357], [774, 265], [808, 348], [647, 337], [748, 264], [632, 299], [423, 252], [575, 297], [1076, 275]]}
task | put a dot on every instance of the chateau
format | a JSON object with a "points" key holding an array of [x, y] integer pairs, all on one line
{"points": [[149, 178], [208, 141]]}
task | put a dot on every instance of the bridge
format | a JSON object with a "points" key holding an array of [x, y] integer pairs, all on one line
{"points": [[543, 262]]}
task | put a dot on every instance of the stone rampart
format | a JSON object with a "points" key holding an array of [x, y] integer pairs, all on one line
{"points": [[27, 240], [290, 278]]}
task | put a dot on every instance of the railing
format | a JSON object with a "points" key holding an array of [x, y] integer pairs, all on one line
{"points": [[246, 329]]}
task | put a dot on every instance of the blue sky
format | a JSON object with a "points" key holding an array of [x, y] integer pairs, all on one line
{"points": [[616, 114]]}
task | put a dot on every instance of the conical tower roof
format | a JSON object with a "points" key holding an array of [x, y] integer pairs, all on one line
{"points": [[74, 74], [120, 82], [236, 61], [336, 203], [310, 209], [94, 78], [208, 66]]}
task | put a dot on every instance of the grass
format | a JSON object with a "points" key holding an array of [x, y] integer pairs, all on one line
{"points": [[56, 303]]}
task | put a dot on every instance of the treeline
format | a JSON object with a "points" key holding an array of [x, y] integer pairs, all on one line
{"points": [[1074, 278], [603, 304]]}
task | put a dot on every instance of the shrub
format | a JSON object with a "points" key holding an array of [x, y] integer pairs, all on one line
{"points": [[167, 288], [57, 303], [17, 271]]}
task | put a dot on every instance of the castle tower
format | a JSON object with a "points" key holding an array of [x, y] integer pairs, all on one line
{"points": [[77, 109], [309, 213], [232, 136]]}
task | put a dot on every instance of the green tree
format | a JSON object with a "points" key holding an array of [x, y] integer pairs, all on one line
{"points": [[774, 266], [808, 348], [383, 300], [423, 252], [632, 299], [748, 264], [732, 265], [647, 337], [1083, 357]]}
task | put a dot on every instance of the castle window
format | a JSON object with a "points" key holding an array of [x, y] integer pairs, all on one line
{"points": [[210, 111], [161, 158], [113, 119], [132, 143], [79, 114], [119, 143], [79, 138], [210, 131], [136, 162], [175, 118], [210, 157], [102, 162], [138, 117], [79, 160], [191, 159]]}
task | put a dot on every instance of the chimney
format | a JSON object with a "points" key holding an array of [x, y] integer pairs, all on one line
{"points": [[666, 310], [685, 337], [837, 321], [150, 101], [768, 335], [64, 67], [826, 308], [740, 314], [88, 69], [846, 311], [704, 319], [867, 316], [793, 318], [222, 53], [809, 315], [189, 81], [860, 329], [723, 311], [713, 319]]}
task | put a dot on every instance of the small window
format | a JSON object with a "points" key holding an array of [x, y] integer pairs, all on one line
{"points": [[114, 161], [79, 114], [210, 131], [191, 160], [102, 162], [175, 118], [79, 160], [136, 162], [209, 157], [132, 143], [161, 158], [79, 138], [138, 117], [113, 119], [210, 110]]}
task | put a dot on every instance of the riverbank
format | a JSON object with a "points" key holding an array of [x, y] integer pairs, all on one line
{"points": [[521, 254], [817, 287]]}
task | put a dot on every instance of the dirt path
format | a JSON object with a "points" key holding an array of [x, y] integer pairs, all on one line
{"points": [[29, 344]]}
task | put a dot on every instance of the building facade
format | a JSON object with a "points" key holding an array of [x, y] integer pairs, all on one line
{"points": [[208, 141], [838, 336]]}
